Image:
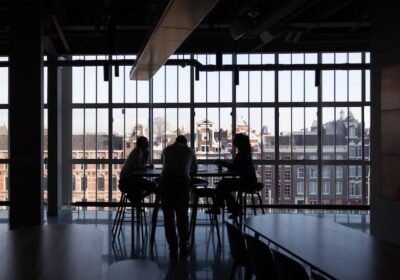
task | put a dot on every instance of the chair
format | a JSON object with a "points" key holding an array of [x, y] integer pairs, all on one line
{"points": [[120, 216], [197, 194], [288, 268], [238, 250], [261, 258], [242, 201]]}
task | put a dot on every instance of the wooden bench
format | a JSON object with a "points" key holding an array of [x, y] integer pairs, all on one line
{"points": [[134, 269]]}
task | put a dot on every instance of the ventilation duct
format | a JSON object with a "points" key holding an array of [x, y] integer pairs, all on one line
{"points": [[178, 20]]}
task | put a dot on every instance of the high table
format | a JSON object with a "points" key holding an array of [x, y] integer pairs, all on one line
{"points": [[336, 250], [62, 252], [207, 171]]}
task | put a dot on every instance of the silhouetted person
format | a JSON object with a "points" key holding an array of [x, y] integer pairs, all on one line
{"points": [[242, 165], [179, 161], [136, 187]]}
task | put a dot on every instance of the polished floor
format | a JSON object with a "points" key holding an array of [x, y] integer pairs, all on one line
{"points": [[207, 260]]}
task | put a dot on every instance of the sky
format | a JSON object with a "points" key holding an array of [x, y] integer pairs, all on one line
{"points": [[172, 84]]}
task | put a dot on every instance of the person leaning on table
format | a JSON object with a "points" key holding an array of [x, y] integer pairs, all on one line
{"points": [[179, 161], [134, 186]]}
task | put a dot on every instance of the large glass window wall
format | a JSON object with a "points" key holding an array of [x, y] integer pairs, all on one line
{"points": [[307, 116]]}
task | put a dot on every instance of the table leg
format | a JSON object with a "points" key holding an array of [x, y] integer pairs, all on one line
{"points": [[154, 220]]}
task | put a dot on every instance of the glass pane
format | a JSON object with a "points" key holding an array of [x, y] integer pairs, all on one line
{"points": [[297, 86], [3, 85], [354, 133], [102, 86], [355, 85], [268, 59], [328, 85], [312, 184], [184, 84], [130, 87], [255, 86], [143, 92], [328, 58], [268, 133], [159, 131], [159, 86], [341, 133], [102, 135], [90, 84], [116, 170], [355, 57], [298, 58], [212, 87], [200, 88], [341, 80], [4, 133], [171, 83], [285, 123], [213, 133], [284, 86], [298, 183], [367, 85], [77, 133], [45, 84], [119, 129], [367, 130], [341, 58], [311, 91], [298, 133], [225, 86], [77, 84], [90, 140], [328, 132], [311, 58], [328, 183], [242, 89], [255, 132], [268, 86], [311, 126]]}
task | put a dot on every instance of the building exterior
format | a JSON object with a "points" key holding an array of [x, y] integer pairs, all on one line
{"points": [[296, 183]]}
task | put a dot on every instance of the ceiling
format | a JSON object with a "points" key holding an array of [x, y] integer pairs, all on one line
{"points": [[123, 26]]}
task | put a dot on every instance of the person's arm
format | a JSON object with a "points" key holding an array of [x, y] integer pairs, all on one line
{"points": [[193, 167], [137, 163], [227, 164]]}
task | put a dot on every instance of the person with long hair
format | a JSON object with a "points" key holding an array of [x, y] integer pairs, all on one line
{"points": [[242, 165], [136, 187]]}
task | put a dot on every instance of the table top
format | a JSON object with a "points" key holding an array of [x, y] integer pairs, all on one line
{"points": [[59, 252], [207, 171], [337, 250]]}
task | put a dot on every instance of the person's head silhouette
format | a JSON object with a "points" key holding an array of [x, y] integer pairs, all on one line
{"points": [[181, 140]]}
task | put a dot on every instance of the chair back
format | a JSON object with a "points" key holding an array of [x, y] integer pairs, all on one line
{"points": [[288, 268], [261, 258], [237, 245]]}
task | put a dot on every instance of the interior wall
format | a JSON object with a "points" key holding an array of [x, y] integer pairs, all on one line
{"points": [[385, 88]]}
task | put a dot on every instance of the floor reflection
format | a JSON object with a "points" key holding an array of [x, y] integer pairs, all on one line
{"points": [[206, 261]]}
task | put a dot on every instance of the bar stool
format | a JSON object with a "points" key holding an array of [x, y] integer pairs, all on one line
{"points": [[120, 216], [242, 201], [198, 193]]}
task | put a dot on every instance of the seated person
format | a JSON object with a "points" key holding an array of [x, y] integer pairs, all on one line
{"points": [[243, 166], [135, 186]]}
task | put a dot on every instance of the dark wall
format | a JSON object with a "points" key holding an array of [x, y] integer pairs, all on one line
{"points": [[385, 43]]}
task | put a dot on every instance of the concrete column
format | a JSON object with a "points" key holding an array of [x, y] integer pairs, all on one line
{"points": [[54, 138], [26, 113]]}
